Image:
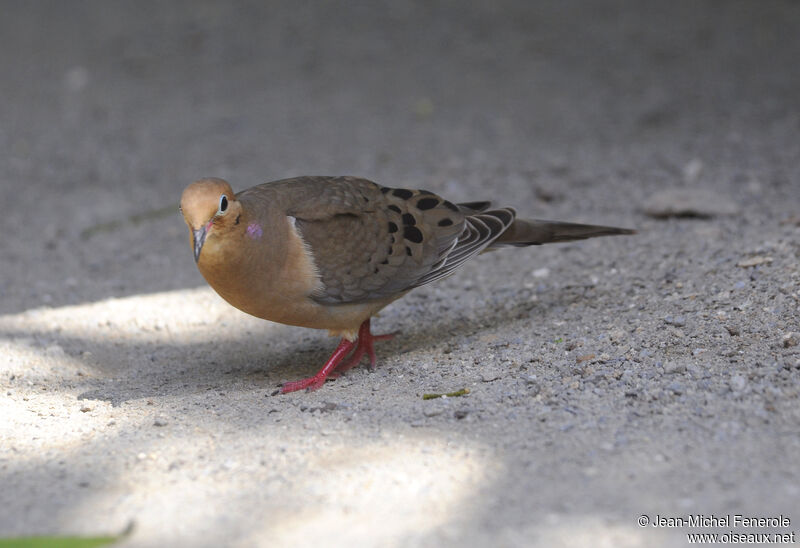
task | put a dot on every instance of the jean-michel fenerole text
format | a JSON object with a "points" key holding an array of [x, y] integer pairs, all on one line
{"points": [[726, 520]]}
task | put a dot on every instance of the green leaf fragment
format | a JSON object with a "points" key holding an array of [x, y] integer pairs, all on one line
{"points": [[455, 394], [56, 542], [65, 541]]}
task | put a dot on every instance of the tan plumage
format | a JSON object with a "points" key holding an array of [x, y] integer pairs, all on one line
{"points": [[330, 252]]}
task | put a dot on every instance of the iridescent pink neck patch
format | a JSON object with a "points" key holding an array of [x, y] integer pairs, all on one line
{"points": [[254, 231]]}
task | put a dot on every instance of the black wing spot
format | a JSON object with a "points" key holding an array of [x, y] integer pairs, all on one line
{"points": [[395, 208], [402, 193], [385, 189], [451, 206], [408, 219], [392, 227], [408, 251], [389, 250], [376, 270], [427, 203], [385, 261], [412, 234], [445, 222]]}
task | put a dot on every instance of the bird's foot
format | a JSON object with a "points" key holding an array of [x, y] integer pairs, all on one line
{"points": [[312, 383], [364, 344]]}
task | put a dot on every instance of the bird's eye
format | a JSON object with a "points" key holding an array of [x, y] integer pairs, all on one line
{"points": [[223, 204]]}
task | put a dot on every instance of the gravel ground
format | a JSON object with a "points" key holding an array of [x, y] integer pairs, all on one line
{"points": [[657, 374]]}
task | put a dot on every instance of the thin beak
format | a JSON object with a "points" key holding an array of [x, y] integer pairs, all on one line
{"points": [[199, 239]]}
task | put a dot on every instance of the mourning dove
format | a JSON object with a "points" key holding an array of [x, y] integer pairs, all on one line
{"points": [[330, 252]]}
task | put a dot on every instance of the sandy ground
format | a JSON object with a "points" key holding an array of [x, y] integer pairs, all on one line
{"points": [[652, 375]]}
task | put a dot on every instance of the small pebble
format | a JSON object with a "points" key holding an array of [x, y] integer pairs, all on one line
{"points": [[790, 339], [754, 261], [692, 170], [85, 409], [672, 368], [738, 382], [677, 321], [533, 387], [616, 335], [627, 375]]}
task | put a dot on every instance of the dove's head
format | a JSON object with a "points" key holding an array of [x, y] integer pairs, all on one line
{"points": [[210, 208]]}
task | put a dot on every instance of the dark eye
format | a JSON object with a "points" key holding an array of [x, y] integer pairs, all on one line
{"points": [[223, 204]]}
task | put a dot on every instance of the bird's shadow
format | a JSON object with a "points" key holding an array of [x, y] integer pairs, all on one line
{"points": [[159, 370]]}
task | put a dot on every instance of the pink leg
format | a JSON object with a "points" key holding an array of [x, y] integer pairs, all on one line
{"points": [[312, 383], [334, 366], [366, 342]]}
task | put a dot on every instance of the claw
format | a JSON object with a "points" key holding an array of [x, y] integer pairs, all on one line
{"points": [[311, 384]]}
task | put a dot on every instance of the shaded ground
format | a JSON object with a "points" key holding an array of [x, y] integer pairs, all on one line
{"points": [[655, 374]]}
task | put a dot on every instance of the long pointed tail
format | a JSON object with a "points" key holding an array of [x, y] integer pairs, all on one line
{"points": [[524, 232]]}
